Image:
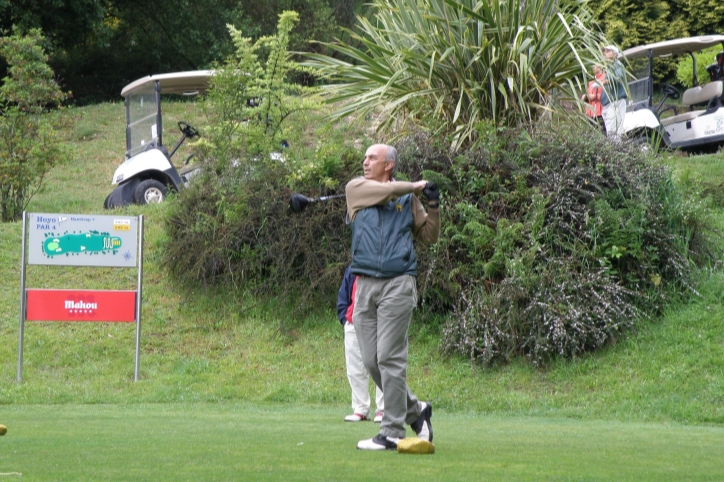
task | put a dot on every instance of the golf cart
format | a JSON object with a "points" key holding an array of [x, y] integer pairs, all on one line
{"points": [[147, 173], [694, 124]]}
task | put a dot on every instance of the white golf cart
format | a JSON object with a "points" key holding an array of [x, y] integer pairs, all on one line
{"points": [[694, 124], [148, 172]]}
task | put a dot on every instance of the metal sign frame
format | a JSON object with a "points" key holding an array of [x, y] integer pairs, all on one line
{"points": [[24, 291]]}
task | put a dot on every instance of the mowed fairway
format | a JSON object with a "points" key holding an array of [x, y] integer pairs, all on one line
{"points": [[240, 441]]}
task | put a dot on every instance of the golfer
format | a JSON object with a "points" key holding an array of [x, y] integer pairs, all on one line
{"points": [[385, 215]]}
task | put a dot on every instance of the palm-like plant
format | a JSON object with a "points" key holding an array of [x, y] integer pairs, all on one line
{"points": [[454, 63]]}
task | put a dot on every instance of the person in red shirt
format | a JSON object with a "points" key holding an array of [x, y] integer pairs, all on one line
{"points": [[593, 97]]}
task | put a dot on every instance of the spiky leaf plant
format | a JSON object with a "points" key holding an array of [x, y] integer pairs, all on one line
{"points": [[448, 64]]}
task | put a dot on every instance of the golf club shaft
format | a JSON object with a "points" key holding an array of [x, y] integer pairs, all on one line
{"points": [[325, 198]]}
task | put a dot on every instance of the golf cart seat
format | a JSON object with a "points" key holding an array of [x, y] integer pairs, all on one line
{"points": [[699, 95]]}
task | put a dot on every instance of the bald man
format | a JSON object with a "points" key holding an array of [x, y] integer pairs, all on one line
{"points": [[385, 216]]}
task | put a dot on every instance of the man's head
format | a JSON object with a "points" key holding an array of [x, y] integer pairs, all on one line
{"points": [[610, 52], [380, 162]]}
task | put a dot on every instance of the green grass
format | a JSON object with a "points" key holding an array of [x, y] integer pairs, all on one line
{"points": [[214, 364], [242, 441]]}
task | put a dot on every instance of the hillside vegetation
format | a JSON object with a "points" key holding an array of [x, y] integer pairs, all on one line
{"points": [[223, 344]]}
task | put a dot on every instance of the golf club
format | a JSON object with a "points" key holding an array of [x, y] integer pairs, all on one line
{"points": [[298, 202]]}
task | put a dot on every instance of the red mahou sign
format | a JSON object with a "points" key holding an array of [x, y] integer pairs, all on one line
{"points": [[80, 305]]}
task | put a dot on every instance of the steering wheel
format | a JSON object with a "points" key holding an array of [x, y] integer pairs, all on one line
{"points": [[670, 91], [188, 129], [713, 104]]}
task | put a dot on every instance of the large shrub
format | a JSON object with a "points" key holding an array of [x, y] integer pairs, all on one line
{"points": [[554, 242], [234, 217], [242, 233]]}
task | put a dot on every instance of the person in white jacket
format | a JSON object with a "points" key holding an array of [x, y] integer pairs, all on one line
{"points": [[357, 374]]}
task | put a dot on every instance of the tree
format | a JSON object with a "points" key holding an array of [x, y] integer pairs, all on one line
{"points": [[702, 17], [225, 215], [29, 145], [66, 23], [99, 46], [251, 97], [450, 64], [629, 23]]}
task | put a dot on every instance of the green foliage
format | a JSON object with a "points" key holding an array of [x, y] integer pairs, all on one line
{"points": [[66, 23], [242, 232], [629, 23], [554, 243], [685, 66], [100, 46], [29, 144], [30, 84], [235, 215], [448, 64], [703, 17], [249, 102]]}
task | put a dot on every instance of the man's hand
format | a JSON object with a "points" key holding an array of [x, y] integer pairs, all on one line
{"points": [[419, 187]]}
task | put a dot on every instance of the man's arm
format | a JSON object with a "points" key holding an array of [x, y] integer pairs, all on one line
{"points": [[363, 193], [427, 224]]}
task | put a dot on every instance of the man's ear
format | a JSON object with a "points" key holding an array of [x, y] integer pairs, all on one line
{"points": [[389, 165]]}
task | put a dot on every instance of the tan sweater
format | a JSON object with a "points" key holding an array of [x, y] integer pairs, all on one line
{"points": [[363, 193]]}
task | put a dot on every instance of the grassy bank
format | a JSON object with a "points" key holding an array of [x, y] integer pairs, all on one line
{"points": [[222, 345]]}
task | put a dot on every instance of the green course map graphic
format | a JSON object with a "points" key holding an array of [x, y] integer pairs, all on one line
{"points": [[92, 242]]}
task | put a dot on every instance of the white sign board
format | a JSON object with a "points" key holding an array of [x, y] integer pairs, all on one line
{"points": [[82, 240]]}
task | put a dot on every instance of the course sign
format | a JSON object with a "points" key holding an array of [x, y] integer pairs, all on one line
{"points": [[81, 305], [82, 240]]}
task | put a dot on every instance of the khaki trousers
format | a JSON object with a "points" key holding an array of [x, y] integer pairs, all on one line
{"points": [[613, 116], [382, 315]]}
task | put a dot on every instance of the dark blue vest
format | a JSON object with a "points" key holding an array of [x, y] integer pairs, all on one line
{"points": [[382, 240]]}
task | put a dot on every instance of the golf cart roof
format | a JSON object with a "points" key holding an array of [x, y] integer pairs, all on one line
{"points": [[184, 83], [674, 47]]}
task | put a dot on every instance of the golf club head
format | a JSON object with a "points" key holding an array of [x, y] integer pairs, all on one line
{"points": [[298, 202]]}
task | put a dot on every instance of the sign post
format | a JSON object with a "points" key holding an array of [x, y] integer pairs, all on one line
{"points": [[81, 240], [22, 304], [138, 299]]}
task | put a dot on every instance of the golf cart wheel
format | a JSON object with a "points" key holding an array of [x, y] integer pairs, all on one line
{"points": [[149, 191], [647, 144]]}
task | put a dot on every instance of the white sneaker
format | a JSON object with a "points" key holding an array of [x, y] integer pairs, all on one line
{"points": [[423, 424], [356, 417], [380, 442], [378, 417]]}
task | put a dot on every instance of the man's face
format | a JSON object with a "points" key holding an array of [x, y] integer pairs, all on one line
{"points": [[609, 54], [374, 164]]}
